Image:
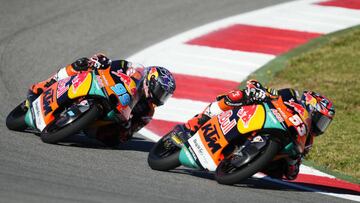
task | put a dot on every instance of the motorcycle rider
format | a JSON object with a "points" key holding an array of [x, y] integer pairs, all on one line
{"points": [[154, 85], [319, 108]]}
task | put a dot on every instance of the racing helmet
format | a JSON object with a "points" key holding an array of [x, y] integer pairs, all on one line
{"points": [[320, 108], [160, 84]]}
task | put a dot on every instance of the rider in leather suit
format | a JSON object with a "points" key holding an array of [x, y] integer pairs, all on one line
{"points": [[154, 85], [320, 110]]}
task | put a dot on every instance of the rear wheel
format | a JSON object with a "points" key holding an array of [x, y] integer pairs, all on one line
{"points": [[228, 174], [64, 126], [164, 155], [16, 118]]}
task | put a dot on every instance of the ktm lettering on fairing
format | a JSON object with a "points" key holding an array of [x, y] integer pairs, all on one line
{"points": [[47, 100], [211, 137], [225, 123]]}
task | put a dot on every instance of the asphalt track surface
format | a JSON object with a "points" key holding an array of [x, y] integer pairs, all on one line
{"points": [[39, 36]]}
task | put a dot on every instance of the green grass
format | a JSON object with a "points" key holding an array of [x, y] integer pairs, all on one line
{"points": [[329, 65]]}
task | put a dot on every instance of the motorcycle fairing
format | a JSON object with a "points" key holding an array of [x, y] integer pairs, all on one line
{"points": [[38, 114], [251, 118], [80, 86], [207, 145], [61, 92], [205, 148]]}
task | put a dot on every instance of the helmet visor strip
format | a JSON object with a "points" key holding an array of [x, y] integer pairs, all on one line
{"points": [[322, 122]]}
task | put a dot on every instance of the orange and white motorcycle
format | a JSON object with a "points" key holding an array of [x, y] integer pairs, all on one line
{"points": [[239, 143], [90, 98]]}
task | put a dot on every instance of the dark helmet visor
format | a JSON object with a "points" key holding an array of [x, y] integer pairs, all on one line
{"points": [[321, 122], [159, 95]]}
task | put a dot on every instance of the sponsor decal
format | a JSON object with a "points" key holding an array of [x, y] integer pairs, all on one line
{"points": [[246, 113], [257, 139], [296, 106], [39, 119], [192, 153], [277, 115], [282, 113], [62, 87], [99, 81], [105, 80], [128, 82], [76, 82], [211, 136], [309, 99], [47, 100], [153, 72], [123, 77], [225, 124], [198, 150]]}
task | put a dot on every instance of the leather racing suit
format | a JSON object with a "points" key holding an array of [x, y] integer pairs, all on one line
{"points": [[253, 93], [142, 109]]}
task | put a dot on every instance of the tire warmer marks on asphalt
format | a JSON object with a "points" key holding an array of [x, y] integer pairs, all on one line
{"points": [[211, 59]]}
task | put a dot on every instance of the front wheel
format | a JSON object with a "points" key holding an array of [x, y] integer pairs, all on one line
{"points": [[164, 155], [228, 174], [62, 128], [16, 118]]}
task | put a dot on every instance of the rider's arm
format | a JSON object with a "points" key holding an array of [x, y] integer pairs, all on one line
{"points": [[254, 92], [142, 115], [81, 64]]}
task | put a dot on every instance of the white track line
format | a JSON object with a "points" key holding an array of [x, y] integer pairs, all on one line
{"points": [[180, 110], [300, 187], [205, 61]]}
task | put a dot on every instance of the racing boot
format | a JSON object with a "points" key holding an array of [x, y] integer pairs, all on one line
{"points": [[293, 168]]}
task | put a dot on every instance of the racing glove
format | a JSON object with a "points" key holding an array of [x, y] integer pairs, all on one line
{"points": [[234, 98], [82, 64], [255, 91], [99, 61]]}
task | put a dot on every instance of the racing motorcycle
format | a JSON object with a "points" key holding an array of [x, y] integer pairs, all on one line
{"points": [[240, 142], [88, 99]]}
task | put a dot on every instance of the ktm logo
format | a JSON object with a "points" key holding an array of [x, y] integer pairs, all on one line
{"points": [[47, 100], [211, 137]]}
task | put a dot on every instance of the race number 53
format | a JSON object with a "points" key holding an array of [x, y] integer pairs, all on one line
{"points": [[299, 124]]}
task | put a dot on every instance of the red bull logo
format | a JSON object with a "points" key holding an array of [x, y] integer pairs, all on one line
{"points": [[128, 82], [246, 113], [76, 82], [153, 72], [309, 99], [123, 77], [225, 123]]}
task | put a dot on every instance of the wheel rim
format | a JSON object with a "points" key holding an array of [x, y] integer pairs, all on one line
{"points": [[227, 168]]}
